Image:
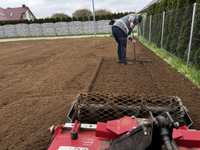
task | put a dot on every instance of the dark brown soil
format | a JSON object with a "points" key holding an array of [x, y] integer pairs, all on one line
{"points": [[149, 75], [39, 80]]}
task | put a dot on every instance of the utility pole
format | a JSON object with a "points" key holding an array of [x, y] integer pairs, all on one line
{"points": [[94, 18]]}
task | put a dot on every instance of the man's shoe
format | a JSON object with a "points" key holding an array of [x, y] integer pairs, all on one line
{"points": [[119, 61], [124, 63], [130, 63]]}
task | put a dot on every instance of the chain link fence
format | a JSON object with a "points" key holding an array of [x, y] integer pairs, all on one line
{"points": [[177, 31], [156, 29]]}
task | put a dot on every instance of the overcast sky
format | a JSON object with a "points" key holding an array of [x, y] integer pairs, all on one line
{"points": [[45, 8]]}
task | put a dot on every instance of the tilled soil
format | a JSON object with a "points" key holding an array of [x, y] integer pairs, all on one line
{"points": [[40, 79], [38, 82], [149, 75]]}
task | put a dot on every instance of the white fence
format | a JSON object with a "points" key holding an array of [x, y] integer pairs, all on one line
{"points": [[54, 29]]}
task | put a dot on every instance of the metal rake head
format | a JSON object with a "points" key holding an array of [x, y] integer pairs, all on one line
{"points": [[95, 107]]}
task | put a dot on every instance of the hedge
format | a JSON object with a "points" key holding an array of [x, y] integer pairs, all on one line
{"points": [[177, 27]]}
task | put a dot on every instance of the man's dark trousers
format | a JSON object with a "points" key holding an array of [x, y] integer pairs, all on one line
{"points": [[121, 39]]}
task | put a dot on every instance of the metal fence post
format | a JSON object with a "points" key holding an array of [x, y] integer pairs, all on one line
{"points": [[138, 30], [150, 28], [163, 27], [191, 33]]}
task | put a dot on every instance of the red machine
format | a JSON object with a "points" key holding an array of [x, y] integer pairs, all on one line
{"points": [[156, 132]]}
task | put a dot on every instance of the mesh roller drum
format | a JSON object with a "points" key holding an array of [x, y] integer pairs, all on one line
{"points": [[94, 107]]}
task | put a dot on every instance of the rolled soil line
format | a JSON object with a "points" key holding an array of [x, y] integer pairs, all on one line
{"points": [[94, 76]]}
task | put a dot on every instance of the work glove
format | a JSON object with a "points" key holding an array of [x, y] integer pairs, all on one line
{"points": [[134, 41], [130, 38]]}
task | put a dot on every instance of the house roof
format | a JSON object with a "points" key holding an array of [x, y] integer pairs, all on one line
{"points": [[11, 14], [3, 15]]}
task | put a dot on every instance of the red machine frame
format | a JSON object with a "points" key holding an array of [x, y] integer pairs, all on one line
{"points": [[77, 136]]}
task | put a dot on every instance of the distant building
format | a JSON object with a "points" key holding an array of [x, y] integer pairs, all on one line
{"points": [[16, 14]]}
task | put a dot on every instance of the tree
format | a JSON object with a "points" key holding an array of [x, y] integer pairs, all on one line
{"points": [[171, 39], [163, 5], [82, 13], [60, 16], [102, 12]]}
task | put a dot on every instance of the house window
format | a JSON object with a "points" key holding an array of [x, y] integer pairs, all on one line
{"points": [[11, 14]]}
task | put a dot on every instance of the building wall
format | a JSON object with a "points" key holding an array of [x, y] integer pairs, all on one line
{"points": [[54, 29], [28, 16]]}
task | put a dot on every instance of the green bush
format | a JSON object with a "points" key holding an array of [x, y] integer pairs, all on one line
{"points": [[185, 29]]}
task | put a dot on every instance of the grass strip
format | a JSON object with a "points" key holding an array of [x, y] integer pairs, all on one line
{"points": [[191, 72]]}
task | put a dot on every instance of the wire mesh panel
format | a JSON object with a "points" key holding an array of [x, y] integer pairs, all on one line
{"points": [[167, 29], [177, 31], [141, 26], [195, 51], [94, 107], [156, 29], [146, 27]]}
